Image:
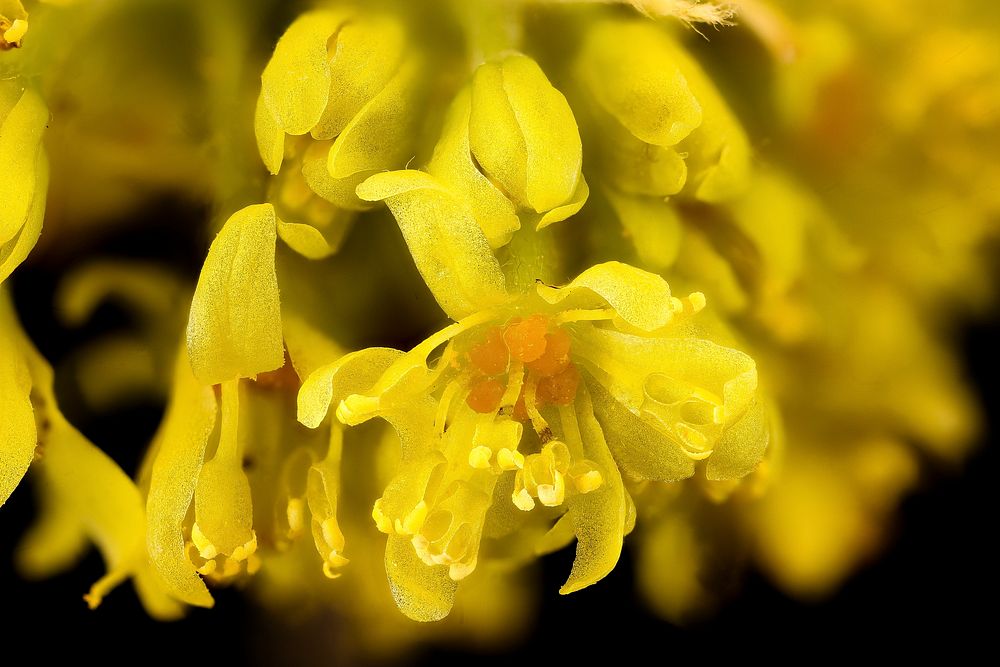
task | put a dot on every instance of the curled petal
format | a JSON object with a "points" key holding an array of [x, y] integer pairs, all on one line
{"points": [[452, 163], [295, 85], [639, 298], [353, 373]]}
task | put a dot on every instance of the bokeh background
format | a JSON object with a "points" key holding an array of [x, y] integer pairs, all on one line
{"points": [[932, 588]]}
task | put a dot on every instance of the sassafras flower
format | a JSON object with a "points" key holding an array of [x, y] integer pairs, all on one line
{"points": [[550, 395]]}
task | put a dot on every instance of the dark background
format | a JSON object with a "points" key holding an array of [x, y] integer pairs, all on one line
{"points": [[934, 588]]}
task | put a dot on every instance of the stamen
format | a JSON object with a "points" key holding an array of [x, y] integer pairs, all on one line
{"points": [[583, 315]]}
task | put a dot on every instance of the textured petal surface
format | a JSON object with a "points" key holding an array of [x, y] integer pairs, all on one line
{"points": [[449, 248], [295, 85], [234, 328], [180, 444], [452, 163], [20, 141], [640, 298]]}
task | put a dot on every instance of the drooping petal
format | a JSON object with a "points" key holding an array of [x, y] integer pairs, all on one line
{"points": [[742, 446], [449, 248], [181, 444], [234, 328], [452, 163], [424, 593], [599, 516], [639, 298], [20, 142], [270, 137], [295, 85]]}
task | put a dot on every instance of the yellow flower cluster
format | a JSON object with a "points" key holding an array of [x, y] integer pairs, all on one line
{"points": [[739, 325]]}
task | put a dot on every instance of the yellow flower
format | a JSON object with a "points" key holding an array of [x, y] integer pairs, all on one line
{"points": [[610, 372], [344, 86]]}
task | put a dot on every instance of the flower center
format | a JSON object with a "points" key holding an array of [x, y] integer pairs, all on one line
{"points": [[520, 367]]}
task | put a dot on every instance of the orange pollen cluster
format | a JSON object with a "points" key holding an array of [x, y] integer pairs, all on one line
{"points": [[528, 351]]}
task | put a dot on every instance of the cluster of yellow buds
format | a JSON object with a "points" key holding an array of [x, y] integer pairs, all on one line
{"points": [[638, 290]]}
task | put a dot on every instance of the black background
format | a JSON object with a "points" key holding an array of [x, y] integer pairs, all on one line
{"points": [[934, 588]]}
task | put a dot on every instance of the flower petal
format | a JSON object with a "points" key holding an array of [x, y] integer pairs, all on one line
{"points": [[742, 445], [353, 373], [234, 328], [452, 163], [523, 133], [599, 516], [180, 446], [630, 68], [639, 298], [17, 249], [367, 56], [449, 248], [424, 593], [295, 85], [379, 136], [570, 208], [639, 450], [20, 142], [17, 427], [305, 240]]}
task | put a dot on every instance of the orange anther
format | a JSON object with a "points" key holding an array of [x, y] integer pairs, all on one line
{"points": [[490, 356], [526, 338], [559, 389], [484, 395], [555, 359]]}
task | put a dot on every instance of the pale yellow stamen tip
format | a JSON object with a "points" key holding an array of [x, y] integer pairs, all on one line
{"points": [[204, 546], [479, 457], [414, 520], [523, 500], [589, 481], [510, 459], [295, 512], [15, 33], [382, 522], [697, 300], [357, 408], [552, 495]]}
